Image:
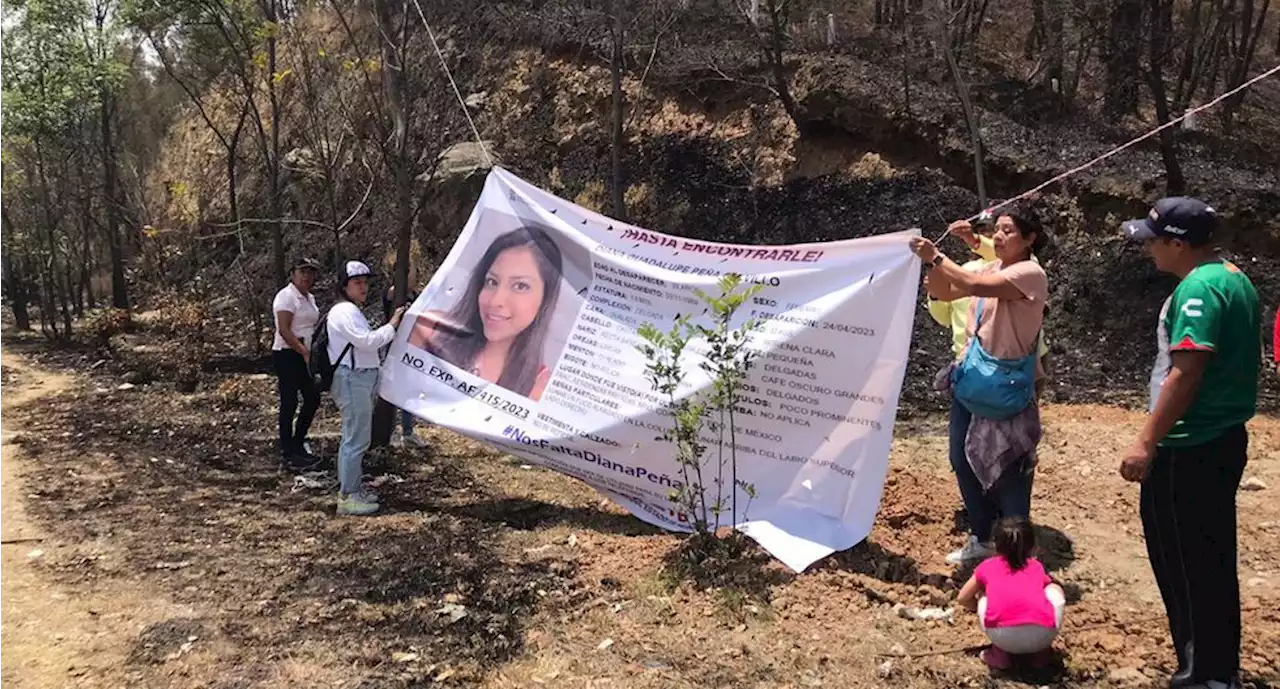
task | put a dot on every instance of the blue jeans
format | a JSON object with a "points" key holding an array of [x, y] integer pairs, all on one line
{"points": [[406, 422], [1009, 497], [354, 391]]}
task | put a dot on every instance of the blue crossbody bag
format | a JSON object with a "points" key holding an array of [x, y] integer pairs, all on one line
{"points": [[991, 387]]}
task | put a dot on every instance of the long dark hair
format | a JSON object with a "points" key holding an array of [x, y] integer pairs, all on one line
{"points": [[461, 332], [1015, 541]]}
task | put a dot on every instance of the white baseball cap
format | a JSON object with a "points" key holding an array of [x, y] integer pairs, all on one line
{"points": [[355, 269]]}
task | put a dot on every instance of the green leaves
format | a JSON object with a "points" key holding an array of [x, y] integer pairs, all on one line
{"points": [[727, 361], [203, 40], [51, 81]]}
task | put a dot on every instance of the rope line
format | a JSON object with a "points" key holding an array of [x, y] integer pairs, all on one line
{"points": [[1054, 180], [1118, 149], [461, 101]]}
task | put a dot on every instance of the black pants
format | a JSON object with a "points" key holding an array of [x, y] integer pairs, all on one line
{"points": [[1189, 520], [293, 379]]}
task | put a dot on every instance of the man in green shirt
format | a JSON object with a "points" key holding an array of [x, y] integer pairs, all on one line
{"points": [[1192, 450]]}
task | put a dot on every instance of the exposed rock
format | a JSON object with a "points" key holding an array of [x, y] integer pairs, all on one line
{"points": [[461, 161], [924, 614], [885, 670], [1128, 675], [476, 101]]}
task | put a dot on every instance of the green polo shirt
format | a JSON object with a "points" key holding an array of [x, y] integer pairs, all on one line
{"points": [[1214, 309]]}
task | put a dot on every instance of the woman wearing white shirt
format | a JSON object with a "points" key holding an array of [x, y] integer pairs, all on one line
{"points": [[296, 316], [353, 348]]}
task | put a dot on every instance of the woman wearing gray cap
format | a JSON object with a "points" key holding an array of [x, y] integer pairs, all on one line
{"points": [[353, 349], [296, 316]]}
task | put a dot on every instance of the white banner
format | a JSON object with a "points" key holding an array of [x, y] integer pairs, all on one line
{"points": [[526, 339]]}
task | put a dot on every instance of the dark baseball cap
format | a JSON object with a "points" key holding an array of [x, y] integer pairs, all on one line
{"points": [[987, 217], [1175, 217], [306, 263]]}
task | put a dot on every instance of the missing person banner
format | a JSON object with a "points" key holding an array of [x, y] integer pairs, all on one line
{"points": [[526, 338]]}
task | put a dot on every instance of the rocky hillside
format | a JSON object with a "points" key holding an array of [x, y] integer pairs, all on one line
{"points": [[710, 154]]}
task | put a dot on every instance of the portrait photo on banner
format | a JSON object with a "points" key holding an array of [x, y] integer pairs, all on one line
{"points": [[505, 311]]}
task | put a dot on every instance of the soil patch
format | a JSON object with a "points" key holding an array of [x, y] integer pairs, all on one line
{"points": [[485, 572]]}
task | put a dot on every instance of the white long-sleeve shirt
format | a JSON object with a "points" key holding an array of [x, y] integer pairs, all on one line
{"points": [[347, 325]]}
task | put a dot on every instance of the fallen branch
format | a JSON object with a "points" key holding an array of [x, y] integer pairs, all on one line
{"points": [[11, 541], [925, 654]]}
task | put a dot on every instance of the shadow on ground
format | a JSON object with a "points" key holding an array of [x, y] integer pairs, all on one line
{"points": [[189, 491], [526, 515]]}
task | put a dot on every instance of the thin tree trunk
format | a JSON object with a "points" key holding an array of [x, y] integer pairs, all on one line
{"points": [[778, 10], [74, 300], [975, 132], [1176, 184], [18, 302], [1244, 58], [110, 198], [394, 84], [84, 283], [233, 196], [330, 182], [76, 273], [1122, 57], [273, 160], [616, 67], [1161, 22], [85, 287], [1055, 45], [1035, 37], [49, 271], [119, 286], [17, 288]]}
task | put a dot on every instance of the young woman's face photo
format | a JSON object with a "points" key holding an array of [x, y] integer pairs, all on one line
{"points": [[512, 294]]}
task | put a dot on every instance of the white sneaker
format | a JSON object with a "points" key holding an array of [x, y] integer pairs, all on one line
{"points": [[355, 505], [972, 550]]}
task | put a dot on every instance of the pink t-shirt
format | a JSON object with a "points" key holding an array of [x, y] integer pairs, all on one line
{"points": [[1010, 327], [1015, 598]]}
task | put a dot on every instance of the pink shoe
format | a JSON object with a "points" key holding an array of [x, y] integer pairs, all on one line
{"points": [[995, 658]]}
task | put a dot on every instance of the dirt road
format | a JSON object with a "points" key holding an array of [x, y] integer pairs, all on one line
{"points": [[56, 635]]}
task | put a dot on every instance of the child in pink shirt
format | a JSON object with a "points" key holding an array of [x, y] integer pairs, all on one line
{"points": [[1018, 605]]}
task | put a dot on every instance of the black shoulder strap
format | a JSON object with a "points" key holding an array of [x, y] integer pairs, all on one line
{"points": [[342, 354]]}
